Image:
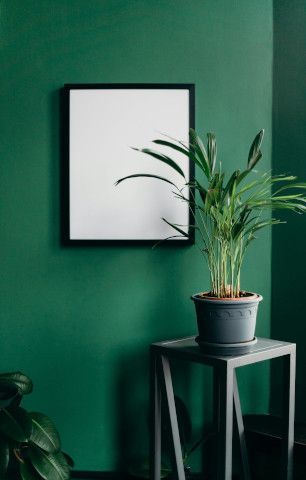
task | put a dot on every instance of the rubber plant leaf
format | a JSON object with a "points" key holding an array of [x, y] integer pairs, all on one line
{"points": [[50, 466], [144, 175], [23, 418], [4, 457], [8, 392], [69, 460], [14, 423], [27, 472], [44, 433], [162, 158], [23, 382]]}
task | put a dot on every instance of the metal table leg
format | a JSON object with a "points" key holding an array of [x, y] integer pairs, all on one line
{"points": [[155, 457], [238, 418], [173, 418], [240, 426], [288, 414], [224, 466]]}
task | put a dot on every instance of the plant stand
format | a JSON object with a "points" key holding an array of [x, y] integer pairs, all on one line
{"points": [[226, 401]]}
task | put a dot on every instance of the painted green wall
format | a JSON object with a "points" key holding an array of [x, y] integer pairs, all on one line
{"points": [[79, 321], [289, 155]]}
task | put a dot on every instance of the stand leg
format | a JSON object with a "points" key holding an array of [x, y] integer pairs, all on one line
{"points": [[224, 466], [155, 446], [173, 419], [288, 414], [240, 426], [216, 417]]}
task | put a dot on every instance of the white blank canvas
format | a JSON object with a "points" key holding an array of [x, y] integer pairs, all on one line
{"points": [[103, 126]]}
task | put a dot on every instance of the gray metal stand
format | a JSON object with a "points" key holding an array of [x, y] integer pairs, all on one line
{"points": [[226, 401]]}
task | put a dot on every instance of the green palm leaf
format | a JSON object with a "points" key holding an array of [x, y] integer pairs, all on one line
{"points": [[211, 150], [162, 158], [255, 153], [165, 239], [50, 466], [173, 225], [199, 149], [144, 175], [44, 433], [189, 153], [227, 214]]}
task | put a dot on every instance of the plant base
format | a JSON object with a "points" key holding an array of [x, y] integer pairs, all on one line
{"points": [[226, 320], [226, 349]]}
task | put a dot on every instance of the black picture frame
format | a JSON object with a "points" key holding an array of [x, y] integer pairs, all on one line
{"points": [[66, 237]]}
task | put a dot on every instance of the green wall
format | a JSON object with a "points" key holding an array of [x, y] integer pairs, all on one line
{"points": [[79, 320], [289, 156]]}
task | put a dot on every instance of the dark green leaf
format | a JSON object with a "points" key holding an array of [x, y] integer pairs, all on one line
{"points": [[230, 184], [189, 153], [212, 150], [165, 239], [4, 457], [162, 158], [289, 186], [176, 228], [242, 176], [44, 433], [14, 423], [50, 466], [260, 225], [199, 149], [68, 459], [8, 392], [255, 153], [202, 191], [23, 382], [144, 175], [23, 418], [27, 471]]}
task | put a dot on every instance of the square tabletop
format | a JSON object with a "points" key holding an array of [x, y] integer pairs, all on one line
{"points": [[187, 349]]}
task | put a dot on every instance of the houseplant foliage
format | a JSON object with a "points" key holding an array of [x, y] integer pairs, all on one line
{"points": [[30, 446], [227, 211]]}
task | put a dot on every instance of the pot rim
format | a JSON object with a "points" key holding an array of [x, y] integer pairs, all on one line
{"points": [[201, 297]]}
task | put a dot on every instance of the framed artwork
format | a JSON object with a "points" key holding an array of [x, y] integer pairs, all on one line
{"points": [[102, 123]]}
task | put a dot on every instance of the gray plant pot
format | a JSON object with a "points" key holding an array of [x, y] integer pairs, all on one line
{"points": [[226, 320]]}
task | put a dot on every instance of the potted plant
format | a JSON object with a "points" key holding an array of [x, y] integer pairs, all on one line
{"points": [[30, 446], [227, 212]]}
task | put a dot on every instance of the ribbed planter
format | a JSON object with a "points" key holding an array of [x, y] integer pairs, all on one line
{"points": [[226, 320]]}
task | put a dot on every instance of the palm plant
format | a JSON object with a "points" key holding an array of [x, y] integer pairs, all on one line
{"points": [[29, 442], [227, 211]]}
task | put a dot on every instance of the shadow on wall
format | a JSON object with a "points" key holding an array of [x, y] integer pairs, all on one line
{"points": [[289, 156]]}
